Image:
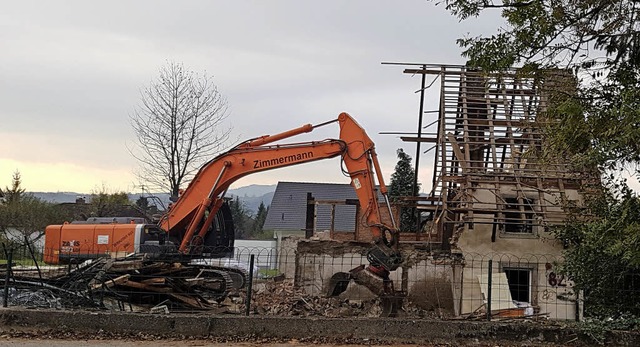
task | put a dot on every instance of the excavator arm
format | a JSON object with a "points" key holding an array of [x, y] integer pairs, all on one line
{"points": [[189, 220], [190, 217]]}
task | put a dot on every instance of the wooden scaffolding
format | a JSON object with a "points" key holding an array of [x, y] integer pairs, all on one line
{"points": [[487, 139]]}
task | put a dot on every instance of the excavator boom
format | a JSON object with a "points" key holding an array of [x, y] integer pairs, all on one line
{"points": [[190, 217]]}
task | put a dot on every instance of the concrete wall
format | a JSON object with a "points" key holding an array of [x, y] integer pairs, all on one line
{"points": [[549, 295], [477, 247], [314, 271], [446, 285], [478, 238], [430, 284], [312, 263], [110, 325], [287, 247]]}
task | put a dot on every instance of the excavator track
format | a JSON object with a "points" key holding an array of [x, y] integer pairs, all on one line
{"points": [[215, 281], [221, 293], [227, 280], [237, 278]]}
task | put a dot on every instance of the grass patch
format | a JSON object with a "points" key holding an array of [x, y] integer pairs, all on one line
{"points": [[23, 262], [266, 273]]}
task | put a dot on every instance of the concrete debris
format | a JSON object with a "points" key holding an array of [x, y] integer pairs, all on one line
{"points": [[282, 298], [40, 298]]}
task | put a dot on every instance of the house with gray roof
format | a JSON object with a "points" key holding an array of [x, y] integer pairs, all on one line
{"points": [[334, 208], [288, 210]]}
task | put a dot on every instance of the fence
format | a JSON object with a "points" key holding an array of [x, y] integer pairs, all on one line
{"points": [[296, 280]]}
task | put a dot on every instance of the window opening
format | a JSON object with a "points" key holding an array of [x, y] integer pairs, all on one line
{"points": [[519, 283], [518, 217]]}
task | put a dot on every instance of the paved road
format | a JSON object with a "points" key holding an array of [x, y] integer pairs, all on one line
{"points": [[20, 342]]}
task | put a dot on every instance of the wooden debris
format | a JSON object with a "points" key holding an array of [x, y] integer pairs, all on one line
{"points": [[126, 265], [110, 283], [135, 283], [157, 280]]}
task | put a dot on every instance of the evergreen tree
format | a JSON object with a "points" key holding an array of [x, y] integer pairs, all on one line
{"points": [[402, 185], [242, 221], [261, 217], [15, 192], [143, 203]]}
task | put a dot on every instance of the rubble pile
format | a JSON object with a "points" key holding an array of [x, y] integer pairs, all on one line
{"points": [[282, 298], [141, 284], [39, 298]]}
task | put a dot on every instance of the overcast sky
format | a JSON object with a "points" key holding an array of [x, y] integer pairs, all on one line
{"points": [[71, 74]]}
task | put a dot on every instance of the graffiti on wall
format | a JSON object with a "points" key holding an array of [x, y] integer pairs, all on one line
{"points": [[558, 286]]}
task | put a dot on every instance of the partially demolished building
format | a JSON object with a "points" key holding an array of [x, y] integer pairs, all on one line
{"points": [[495, 189], [491, 184]]}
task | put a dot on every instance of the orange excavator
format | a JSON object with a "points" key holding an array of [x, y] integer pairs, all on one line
{"points": [[199, 221]]}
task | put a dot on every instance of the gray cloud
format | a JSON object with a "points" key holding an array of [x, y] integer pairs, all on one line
{"points": [[71, 70]]}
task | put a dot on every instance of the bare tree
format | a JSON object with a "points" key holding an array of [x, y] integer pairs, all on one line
{"points": [[178, 126]]}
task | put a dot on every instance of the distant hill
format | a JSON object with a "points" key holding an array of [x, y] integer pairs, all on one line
{"points": [[251, 195], [59, 197], [253, 190]]}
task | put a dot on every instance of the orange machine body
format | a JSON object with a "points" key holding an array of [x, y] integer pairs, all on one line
{"points": [[76, 242]]}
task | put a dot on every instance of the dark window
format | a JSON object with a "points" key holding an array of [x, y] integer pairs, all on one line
{"points": [[518, 216], [519, 283]]}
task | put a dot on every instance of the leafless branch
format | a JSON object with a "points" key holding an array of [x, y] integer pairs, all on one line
{"points": [[179, 124]]}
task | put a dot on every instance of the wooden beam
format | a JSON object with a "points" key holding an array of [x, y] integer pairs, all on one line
{"points": [[156, 281], [147, 287], [457, 151], [418, 139], [110, 283]]}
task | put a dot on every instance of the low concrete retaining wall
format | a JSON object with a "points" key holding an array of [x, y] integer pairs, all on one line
{"points": [[335, 329]]}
